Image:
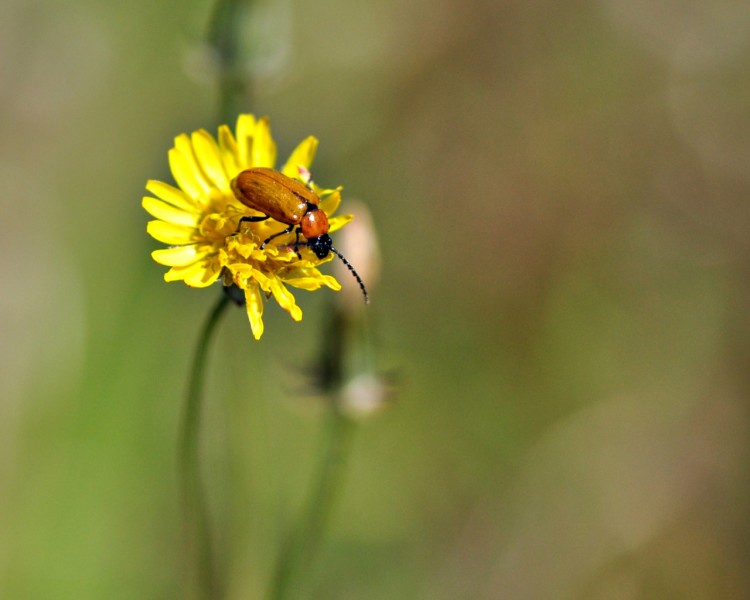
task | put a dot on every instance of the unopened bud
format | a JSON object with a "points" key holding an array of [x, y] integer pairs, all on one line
{"points": [[366, 395], [358, 242]]}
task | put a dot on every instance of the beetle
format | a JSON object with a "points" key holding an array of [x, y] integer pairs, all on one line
{"points": [[290, 202]]}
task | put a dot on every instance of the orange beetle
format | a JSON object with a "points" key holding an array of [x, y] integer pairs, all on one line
{"points": [[288, 201]]}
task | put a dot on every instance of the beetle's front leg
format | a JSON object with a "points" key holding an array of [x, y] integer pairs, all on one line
{"points": [[275, 235]]}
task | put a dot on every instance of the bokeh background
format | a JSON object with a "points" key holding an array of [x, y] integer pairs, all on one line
{"points": [[561, 195]]}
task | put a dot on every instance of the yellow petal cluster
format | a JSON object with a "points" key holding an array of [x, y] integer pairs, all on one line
{"points": [[199, 219]]}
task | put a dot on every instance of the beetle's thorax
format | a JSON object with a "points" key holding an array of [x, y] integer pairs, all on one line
{"points": [[314, 222]]}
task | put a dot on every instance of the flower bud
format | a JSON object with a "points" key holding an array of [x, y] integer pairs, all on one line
{"points": [[365, 395], [358, 242]]}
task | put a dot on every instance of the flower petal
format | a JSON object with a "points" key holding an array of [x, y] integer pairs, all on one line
{"points": [[199, 274], [338, 222], [175, 196], [331, 202], [303, 155], [180, 256], [285, 298], [208, 155], [245, 133], [264, 148], [205, 276], [186, 175], [254, 307], [169, 233], [184, 144], [166, 212], [229, 152], [313, 283]]}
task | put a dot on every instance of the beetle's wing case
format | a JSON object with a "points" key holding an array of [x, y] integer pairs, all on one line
{"points": [[274, 194]]}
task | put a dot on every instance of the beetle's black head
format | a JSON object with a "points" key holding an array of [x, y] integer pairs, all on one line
{"points": [[321, 245]]}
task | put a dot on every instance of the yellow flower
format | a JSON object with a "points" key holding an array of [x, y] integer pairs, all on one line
{"points": [[200, 219]]}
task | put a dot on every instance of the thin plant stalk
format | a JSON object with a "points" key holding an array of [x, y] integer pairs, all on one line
{"points": [[224, 35], [297, 555], [201, 562]]}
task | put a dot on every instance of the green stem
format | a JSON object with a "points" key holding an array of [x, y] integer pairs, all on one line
{"points": [[196, 525], [303, 544], [224, 35]]}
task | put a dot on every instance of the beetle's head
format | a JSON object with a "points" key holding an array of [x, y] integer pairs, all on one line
{"points": [[321, 245]]}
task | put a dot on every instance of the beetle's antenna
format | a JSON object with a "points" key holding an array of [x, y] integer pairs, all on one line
{"points": [[354, 272]]}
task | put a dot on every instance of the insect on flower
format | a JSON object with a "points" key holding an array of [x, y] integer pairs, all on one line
{"points": [[290, 202], [221, 179]]}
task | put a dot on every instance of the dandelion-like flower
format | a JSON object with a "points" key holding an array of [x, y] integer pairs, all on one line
{"points": [[200, 219]]}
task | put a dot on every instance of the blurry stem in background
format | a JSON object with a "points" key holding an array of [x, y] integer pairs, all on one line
{"points": [[234, 88], [196, 526], [224, 36], [299, 552]]}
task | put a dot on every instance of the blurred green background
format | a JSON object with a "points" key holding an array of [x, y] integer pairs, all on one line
{"points": [[561, 195]]}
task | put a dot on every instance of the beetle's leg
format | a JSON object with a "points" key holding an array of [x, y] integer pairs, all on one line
{"points": [[275, 235], [253, 219], [250, 220], [296, 242]]}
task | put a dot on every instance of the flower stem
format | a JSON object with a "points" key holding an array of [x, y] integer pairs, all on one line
{"points": [[224, 35], [201, 565], [303, 544]]}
